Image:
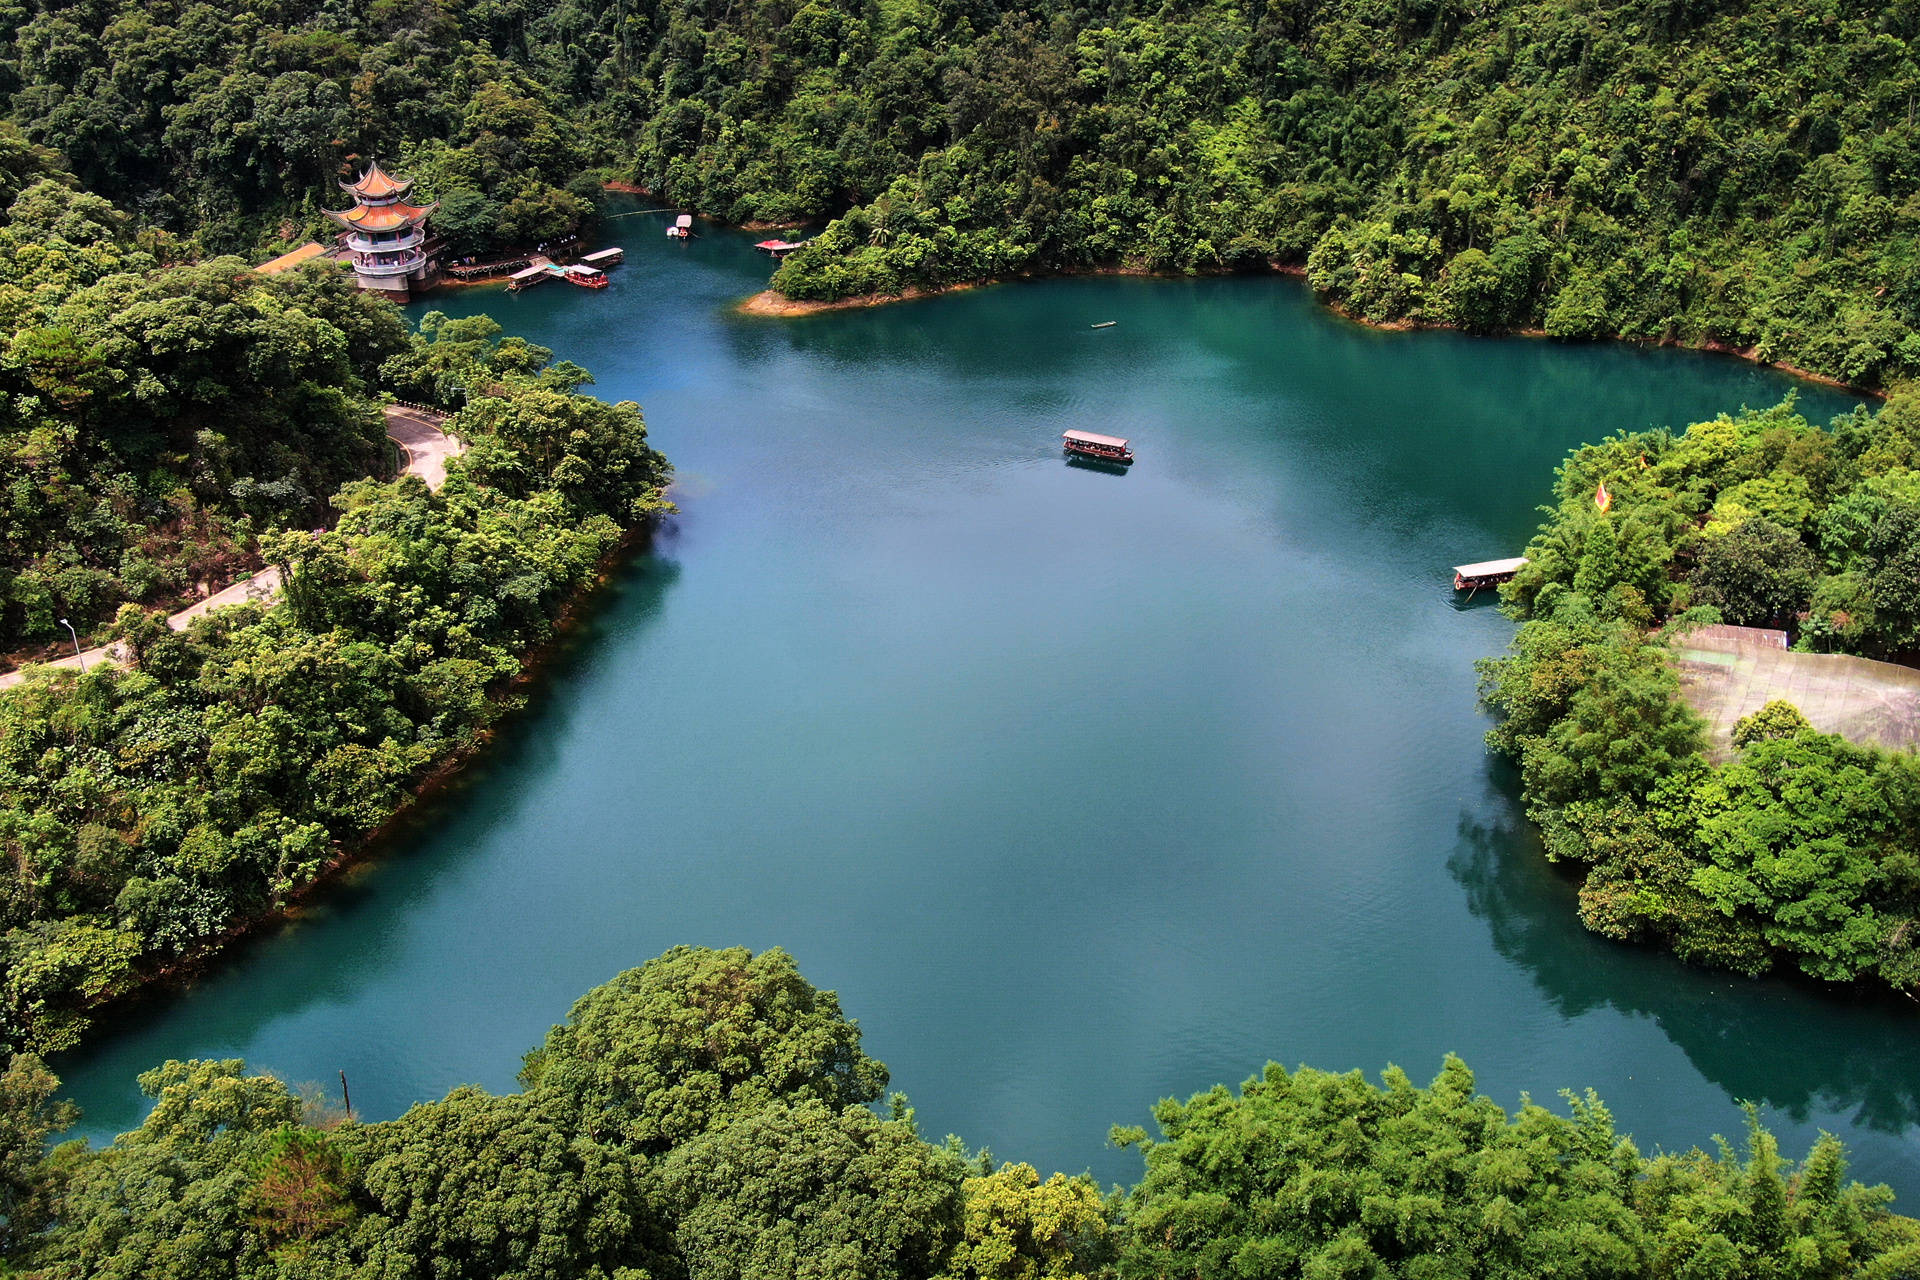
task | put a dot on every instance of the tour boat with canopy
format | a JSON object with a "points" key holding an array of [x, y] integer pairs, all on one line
{"points": [[1089, 445]]}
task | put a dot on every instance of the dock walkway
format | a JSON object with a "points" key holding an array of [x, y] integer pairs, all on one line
{"points": [[427, 447]]}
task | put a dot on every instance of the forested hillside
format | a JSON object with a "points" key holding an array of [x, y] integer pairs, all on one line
{"points": [[1741, 173], [170, 424], [145, 814], [1803, 850], [158, 416], [1737, 173], [704, 1117], [229, 123]]}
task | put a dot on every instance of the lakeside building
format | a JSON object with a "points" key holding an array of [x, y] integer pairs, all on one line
{"points": [[386, 236]]}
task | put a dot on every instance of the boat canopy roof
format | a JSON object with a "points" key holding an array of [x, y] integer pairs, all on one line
{"points": [[684, 220], [528, 273], [1488, 568], [605, 255], [1088, 437]]}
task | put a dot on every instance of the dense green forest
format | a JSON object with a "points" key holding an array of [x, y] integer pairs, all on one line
{"points": [[1744, 173], [146, 812], [169, 419], [706, 1117], [1739, 173], [158, 416], [229, 123], [1803, 849]]}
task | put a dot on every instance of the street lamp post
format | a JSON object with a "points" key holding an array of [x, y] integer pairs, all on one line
{"points": [[77, 655]]}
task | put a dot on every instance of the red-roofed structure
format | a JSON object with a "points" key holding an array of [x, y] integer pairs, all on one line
{"points": [[386, 236], [377, 184]]}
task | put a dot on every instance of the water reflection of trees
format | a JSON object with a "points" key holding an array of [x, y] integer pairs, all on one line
{"points": [[285, 970], [1783, 1043]]}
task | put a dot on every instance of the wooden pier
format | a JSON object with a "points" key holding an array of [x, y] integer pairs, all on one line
{"points": [[472, 272]]}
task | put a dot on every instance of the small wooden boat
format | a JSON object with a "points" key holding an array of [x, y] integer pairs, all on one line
{"points": [[1105, 324], [1105, 448]]}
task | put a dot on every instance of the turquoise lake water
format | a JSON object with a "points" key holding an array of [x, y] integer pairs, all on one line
{"points": [[1083, 789]]}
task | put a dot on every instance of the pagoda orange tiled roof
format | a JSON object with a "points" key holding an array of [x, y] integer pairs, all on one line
{"points": [[376, 183], [381, 217]]}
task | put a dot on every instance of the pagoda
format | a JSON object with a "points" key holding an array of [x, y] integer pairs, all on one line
{"points": [[386, 237]]}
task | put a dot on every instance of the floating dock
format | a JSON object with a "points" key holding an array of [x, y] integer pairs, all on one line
{"points": [[587, 275], [477, 271]]}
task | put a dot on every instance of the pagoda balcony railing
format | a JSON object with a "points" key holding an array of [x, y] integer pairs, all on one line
{"points": [[412, 238], [388, 264]]}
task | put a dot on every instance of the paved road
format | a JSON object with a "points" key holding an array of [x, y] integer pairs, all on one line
{"points": [[427, 449], [426, 446]]}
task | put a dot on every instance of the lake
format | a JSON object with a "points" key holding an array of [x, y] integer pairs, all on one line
{"points": [[1083, 789]]}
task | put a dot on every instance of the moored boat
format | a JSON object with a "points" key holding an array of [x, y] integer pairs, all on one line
{"points": [[1089, 445], [1487, 573]]}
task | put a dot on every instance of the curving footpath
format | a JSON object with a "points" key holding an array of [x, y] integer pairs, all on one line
{"points": [[424, 440], [427, 447]]}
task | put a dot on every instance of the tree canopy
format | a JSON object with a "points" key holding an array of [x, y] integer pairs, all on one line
{"points": [[1300, 1173], [1314, 1174], [680, 1044]]}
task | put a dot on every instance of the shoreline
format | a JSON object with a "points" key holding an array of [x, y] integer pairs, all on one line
{"points": [[179, 973], [635, 189], [1712, 346], [770, 302]]}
